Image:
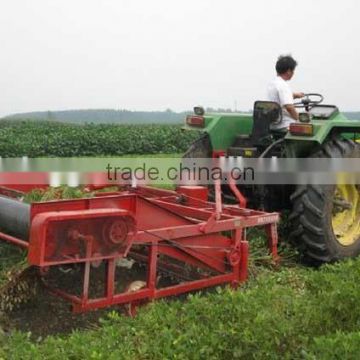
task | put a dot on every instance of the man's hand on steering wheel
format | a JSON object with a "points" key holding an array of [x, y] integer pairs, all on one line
{"points": [[298, 95], [309, 100]]}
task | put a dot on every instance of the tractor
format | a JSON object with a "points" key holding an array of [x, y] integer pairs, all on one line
{"points": [[324, 219]]}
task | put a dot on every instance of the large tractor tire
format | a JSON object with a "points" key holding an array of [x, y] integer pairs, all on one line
{"points": [[326, 218]]}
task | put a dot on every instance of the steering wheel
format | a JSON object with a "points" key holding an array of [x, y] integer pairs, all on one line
{"points": [[309, 101]]}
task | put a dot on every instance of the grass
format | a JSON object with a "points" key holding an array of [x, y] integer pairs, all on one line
{"points": [[290, 313]]}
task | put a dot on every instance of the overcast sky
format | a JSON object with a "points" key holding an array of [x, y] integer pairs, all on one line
{"points": [[153, 55]]}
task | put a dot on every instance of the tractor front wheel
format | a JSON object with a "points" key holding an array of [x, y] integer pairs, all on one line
{"points": [[326, 218]]}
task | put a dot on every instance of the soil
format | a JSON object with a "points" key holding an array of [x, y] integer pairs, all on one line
{"points": [[46, 314], [50, 315]]}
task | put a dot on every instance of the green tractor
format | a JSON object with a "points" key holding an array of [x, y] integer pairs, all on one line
{"points": [[324, 219]]}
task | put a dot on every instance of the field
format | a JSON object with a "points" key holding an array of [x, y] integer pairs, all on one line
{"points": [[288, 311], [53, 139], [294, 313]]}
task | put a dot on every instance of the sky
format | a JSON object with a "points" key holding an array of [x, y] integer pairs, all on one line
{"points": [[159, 54]]}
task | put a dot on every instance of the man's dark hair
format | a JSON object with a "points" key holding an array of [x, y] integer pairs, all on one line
{"points": [[285, 63]]}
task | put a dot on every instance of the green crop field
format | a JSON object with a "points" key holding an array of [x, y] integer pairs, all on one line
{"points": [[283, 312], [51, 139]]}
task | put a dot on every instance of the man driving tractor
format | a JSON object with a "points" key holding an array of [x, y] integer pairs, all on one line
{"points": [[280, 92], [324, 218]]}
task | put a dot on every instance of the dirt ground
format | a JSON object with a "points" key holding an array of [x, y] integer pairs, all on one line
{"points": [[49, 315], [46, 314]]}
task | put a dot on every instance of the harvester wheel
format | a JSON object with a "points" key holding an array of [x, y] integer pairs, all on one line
{"points": [[326, 218]]}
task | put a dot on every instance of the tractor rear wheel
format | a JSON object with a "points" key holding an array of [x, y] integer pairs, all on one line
{"points": [[326, 218]]}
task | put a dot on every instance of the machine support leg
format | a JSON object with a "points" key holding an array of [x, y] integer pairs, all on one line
{"points": [[85, 292], [244, 260], [239, 196], [237, 238], [110, 278], [218, 201], [272, 235], [87, 268], [152, 264]]}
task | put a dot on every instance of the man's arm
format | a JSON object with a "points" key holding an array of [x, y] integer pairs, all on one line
{"points": [[292, 111], [298, 95], [287, 100]]}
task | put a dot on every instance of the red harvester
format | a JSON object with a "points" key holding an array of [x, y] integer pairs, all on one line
{"points": [[163, 230]]}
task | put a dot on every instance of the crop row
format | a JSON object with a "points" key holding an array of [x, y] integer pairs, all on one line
{"points": [[52, 139], [289, 314]]}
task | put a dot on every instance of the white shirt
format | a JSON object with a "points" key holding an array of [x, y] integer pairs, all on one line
{"points": [[279, 91]]}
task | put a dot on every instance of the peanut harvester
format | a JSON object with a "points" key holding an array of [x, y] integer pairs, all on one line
{"points": [[201, 243]]}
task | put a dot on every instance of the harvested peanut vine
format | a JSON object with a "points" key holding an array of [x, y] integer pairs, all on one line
{"points": [[17, 281]]}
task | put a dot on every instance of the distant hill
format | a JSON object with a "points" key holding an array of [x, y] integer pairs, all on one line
{"points": [[104, 116], [121, 116], [352, 115], [109, 116]]}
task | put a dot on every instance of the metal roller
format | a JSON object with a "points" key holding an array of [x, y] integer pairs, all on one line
{"points": [[14, 217]]}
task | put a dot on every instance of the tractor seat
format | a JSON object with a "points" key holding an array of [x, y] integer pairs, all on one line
{"points": [[265, 114]]}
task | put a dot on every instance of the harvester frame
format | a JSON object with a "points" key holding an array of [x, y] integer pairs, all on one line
{"points": [[145, 224]]}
